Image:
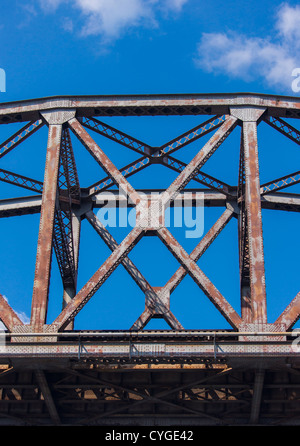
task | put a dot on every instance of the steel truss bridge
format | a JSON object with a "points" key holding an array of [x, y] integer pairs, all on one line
{"points": [[52, 374]]}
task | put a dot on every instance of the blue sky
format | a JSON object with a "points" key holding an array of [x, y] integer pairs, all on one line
{"points": [[82, 47]]}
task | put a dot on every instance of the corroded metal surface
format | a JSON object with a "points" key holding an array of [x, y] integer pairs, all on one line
{"points": [[44, 250], [254, 224], [63, 203]]}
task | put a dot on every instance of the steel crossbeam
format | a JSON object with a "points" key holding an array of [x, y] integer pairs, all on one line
{"points": [[200, 177], [21, 181], [146, 149], [20, 136], [116, 135], [126, 171], [284, 128], [280, 183]]}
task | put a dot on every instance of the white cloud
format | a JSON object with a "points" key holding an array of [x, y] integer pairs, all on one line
{"points": [[175, 4], [288, 22], [109, 18], [68, 25], [245, 58], [23, 317]]}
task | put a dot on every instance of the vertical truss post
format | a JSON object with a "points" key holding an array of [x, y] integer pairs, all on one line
{"points": [[70, 291], [67, 224], [44, 248], [249, 118], [246, 311]]}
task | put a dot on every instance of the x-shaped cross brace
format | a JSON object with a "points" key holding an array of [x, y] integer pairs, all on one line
{"points": [[149, 217]]}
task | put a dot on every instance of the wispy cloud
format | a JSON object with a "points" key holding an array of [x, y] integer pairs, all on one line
{"points": [[111, 18], [23, 317], [175, 4], [271, 58]]}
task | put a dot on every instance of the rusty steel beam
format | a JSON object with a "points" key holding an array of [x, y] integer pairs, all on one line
{"points": [[133, 271], [12, 207], [172, 162], [291, 314], [200, 249], [146, 149], [44, 249], [116, 135], [200, 278], [168, 161], [63, 246], [66, 234], [103, 160], [70, 289], [281, 201], [143, 319], [254, 223], [208, 197], [191, 135], [200, 177], [199, 160], [127, 171], [138, 105], [284, 128], [97, 280], [20, 136], [137, 276], [151, 312], [244, 263], [21, 181], [157, 305], [280, 183], [69, 191], [7, 315]]}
